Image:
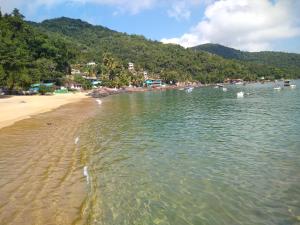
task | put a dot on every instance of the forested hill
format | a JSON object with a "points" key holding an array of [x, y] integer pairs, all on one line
{"points": [[279, 59], [155, 57], [33, 52], [27, 55]]}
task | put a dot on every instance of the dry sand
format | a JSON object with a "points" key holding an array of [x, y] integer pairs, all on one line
{"points": [[17, 108]]}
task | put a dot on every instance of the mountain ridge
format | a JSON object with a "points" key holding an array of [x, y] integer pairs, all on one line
{"points": [[32, 52], [275, 58]]}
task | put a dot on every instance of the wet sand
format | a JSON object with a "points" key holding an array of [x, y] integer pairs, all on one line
{"points": [[15, 108], [41, 168]]}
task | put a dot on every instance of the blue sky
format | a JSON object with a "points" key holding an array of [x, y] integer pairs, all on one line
{"points": [[252, 25]]}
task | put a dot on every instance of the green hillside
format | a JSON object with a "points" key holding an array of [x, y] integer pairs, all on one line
{"points": [[278, 59], [27, 55], [155, 57], [33, 52]]}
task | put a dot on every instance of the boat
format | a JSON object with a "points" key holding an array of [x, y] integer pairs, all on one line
{"points": [[277, 88], [189, 89], [286, 83], [219, 86], [240, 94], [239, 83], [224, 89]]}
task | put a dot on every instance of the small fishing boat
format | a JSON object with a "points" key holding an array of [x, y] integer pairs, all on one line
{"points": [[293, 85], [239, 83], [224, 89], [286, 83], [240, 94], [277, 88], [219, 86], [189, 89]]}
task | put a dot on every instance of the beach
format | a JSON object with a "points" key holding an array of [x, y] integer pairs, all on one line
{"points": [[41, 166], [16, 108]]}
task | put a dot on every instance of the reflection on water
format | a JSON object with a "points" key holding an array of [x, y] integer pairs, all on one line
{"points": [[41, 179], [204, 157]]}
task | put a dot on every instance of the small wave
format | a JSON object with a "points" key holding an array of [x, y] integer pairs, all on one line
{"points": [[99, 101], [76, 140], [86, 174]]}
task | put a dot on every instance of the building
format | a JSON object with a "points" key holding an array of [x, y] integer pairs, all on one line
{"points": [[91, 64], [153, 83], [146, 75], [75, 71], [130, 66]]}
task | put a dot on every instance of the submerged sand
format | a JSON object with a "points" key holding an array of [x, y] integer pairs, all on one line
{"points": [[41, 167], [17, 108]]}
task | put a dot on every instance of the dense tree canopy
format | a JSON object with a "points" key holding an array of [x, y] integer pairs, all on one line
{"points": [[286, 63], [34, 52], [95, 41], [27, 55]]}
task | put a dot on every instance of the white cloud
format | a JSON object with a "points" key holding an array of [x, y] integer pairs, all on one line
{"points": [[179, 11], [244, 24]]}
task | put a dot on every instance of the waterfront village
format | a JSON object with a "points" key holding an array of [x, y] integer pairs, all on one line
{"points": [[95, 82], [84, 77]]}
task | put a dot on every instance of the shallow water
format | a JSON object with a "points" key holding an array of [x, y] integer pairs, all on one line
{"points": [[204, 157], [41, 179]]}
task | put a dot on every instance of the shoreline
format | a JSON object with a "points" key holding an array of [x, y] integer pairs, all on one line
{"points": [[17, 108], [42, 167]]}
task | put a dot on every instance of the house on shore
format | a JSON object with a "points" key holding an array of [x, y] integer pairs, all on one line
{"points": [[153, 83], [75, 72], [146, 75], [130, 66], [91, 64]]}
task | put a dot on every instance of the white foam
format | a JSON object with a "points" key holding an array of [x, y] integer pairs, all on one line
{"points": [[86, 174], [76, 140], [99, 101]]}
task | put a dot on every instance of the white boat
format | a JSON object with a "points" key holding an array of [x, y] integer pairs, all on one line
{"points": [[189, 89], [239, 83], [277, 88], [224, 89], [293, 85], [219, 86], [240, 94]]}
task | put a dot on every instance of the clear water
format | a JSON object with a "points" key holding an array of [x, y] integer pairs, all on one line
{"points": [[204, 157]]}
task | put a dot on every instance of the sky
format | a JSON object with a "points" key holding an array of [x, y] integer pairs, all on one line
{"points": [[250, 25]]}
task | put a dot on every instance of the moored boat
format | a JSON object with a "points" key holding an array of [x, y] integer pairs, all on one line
{"points": [[189, 89], [286, 83], [240, 94]]}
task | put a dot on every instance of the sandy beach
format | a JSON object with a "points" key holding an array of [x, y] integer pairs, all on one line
{"points": [[41, 164], [15, 108]]}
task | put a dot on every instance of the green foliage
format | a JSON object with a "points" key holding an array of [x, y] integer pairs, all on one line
{"points": [[279, 64], [45, 89], [33, 52], [86, 84], [113, 74], [27, 55], [94, 42]]}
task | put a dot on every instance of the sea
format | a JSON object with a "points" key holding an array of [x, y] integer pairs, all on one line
{"points": [[204, 157]]}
